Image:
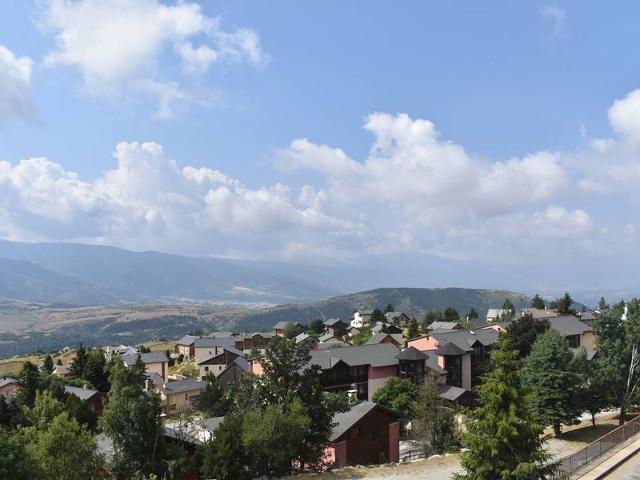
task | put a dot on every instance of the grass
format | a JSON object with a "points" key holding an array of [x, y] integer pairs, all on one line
{"points": [[11, 366]]}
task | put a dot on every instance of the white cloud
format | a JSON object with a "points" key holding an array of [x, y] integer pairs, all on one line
{"points": [[624, 117], [558, 18], [119, 45], [15, 86]]}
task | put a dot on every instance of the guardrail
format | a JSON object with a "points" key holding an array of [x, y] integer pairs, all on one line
{"points": [[569, 464]]}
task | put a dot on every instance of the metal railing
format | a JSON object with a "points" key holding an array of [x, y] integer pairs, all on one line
{"points": [[569, 464]]}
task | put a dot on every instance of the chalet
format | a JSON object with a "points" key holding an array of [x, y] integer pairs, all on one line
{"points": [[95, 399], [539, 313], [307, 339], [280, 327], [61, 371], [463, 354], [234, 372], [217, 362], [186, 346], [205, 347], [154, 362], [361, 318], [336, 327], [253, 341], [439, 326], [395, 339], [9, 387], [398, 318], [417, 365], [365, 435], [495, 314], [379, 327], [353, 331], [359, 369], [587, 317], [181, 394], [578, 334]]}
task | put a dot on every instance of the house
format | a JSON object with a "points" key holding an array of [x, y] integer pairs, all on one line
{"points": [[234, 372], [9, 387], [181, 394], [307, 339], [393, 338], [353, 331], [336, 327], [205, 347], [577, 333], [361, 318], [186, 346], [463, 354], [367, 434], [217, 362], [587, 317], [438, 325], [95, 399], [417, 365], [280, 327], [379, 327], [154, 362], [494, 314], [253, 341], [360, 370], [539, 313], [61, 371], [456, 394], [398, 318]]}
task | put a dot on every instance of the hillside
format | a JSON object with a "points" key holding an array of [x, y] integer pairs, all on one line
{"points": [[49, 328]]}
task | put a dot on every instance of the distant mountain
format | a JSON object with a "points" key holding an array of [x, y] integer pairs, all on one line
{"points": [[153, 276], [413, 301]]}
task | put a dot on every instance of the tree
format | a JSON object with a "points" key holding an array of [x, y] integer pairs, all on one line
{"points": [[64, 450], [292, 330], [388, 308], [590, 396], [15, 463], [553, 385], [224, 456], [212, 401], [95, 370], [132, 421], [413, 330], [430, 316], [47, 364], [537, 302], [472, 314], [80, 360], [502, 439], [44, 410], [602, 304], [378, 316], [170, 360], [451, 314], [563, 304], [523, 332], [509, 306], [315, 327], [618, 360], [399, 395], [433, 422], [30, 379]]}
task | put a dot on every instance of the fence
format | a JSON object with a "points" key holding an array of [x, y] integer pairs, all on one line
{"points": [[573, 462], [411, 454]]}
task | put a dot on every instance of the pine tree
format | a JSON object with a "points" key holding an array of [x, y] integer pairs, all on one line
{"points": [[602, 304], [524, 331], [388, 308], [211, 401], [553, 385], [537, 302], [502, 439], [451, 314], [433, 422], [472, 314], [80, 360], [47, 364], [509, 306], [224, 455], [413, 330]]}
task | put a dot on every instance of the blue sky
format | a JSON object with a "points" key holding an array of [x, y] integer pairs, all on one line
{"points": [[521, 96]]}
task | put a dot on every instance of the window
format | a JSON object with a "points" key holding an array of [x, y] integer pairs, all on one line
{"points": [[375, 436], [573, 341], [206, 369]]}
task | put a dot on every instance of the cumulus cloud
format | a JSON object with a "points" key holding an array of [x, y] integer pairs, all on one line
{"points": [[119, 45], [15, 86]]}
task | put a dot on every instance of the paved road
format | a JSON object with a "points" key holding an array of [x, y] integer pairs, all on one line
{"points": [[629, 470]]}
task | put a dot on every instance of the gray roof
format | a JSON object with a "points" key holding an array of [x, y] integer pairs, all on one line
{"points": [[81, 393], [465, 339], [212, 423], [365, 312], [587, 316], [246, 336], [154, 378], [327, 336], [283, 325], [449, 348], [449, 392], [220, 335], [151, 357], [187, 340], [568, 325], [379, 337], [301, 337], [232, 350], [184, 386], [345, 420], [378, 355], [332, 321], [215, 342], [445, 326], [8, 381], [336, 344], [412, 353]]}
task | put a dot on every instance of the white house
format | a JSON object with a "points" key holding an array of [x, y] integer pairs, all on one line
{"points": [[361, 318]]}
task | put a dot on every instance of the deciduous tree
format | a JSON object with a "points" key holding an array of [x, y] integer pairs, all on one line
{"points": [[399, 395], [523, 332], [433, 422]]}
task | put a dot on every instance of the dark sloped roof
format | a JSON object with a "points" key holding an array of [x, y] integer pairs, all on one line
{"points": [[445, 326], [215, 342], [450, 348], [211, 424], [151, 357], [332, 321], [412, 353], [345, 420], [283, 325], [568, 325], [187, 340], [449, 392], [184, 386], [379, 337], [8, 381], [81, 393], [378, 355]]}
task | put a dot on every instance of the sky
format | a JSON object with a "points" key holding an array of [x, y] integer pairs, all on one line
{"points": [[318, 132]]}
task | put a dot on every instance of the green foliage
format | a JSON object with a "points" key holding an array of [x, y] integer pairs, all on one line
{"points": [[212, 401], [590, 396], [80, 360], [292, 330], [224, 456], [472, 314], [132, 420], [47, 364], [433, 422], [413, 330], [388, 308], [550, 379], [509, 306], [30, 379], [523, 332], [502, 439], [377, 316], [537, 302], [64, 450], [315, 327], [44, 410], [15, 463], [602, 304], [430, 316], [363, 337], [95, 370], [399, 395], [451, 314], [563, 304]]}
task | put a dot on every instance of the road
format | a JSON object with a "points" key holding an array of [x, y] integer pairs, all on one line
{"points": [[629, 470]]}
